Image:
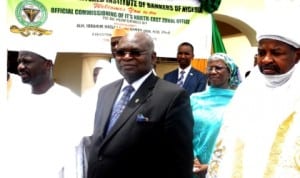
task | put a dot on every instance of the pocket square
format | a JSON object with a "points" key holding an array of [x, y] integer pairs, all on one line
{"points": [[141, 118]]}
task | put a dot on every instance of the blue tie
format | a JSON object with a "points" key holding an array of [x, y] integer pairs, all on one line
{"points": [[119, 106], [180, 79]]}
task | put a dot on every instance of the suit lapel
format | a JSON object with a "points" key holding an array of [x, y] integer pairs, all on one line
{"points": [[141, 96], [107, 101], [188, 77], [175, 76]]}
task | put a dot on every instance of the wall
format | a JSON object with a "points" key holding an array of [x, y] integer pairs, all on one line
{"points": [[250, 13], [164, 67], [67, 71], [75, 70], [240, 50]]}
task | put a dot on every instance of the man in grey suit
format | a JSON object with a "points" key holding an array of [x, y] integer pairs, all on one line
{"points": [[192, 80], [152, 137]]}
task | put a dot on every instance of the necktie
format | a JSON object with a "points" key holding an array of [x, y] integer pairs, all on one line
{"points": [[119, 106], [180, 79]]}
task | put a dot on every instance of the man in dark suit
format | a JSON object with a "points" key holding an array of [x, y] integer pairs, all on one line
{"points": [[152, 137], [192, 80]]}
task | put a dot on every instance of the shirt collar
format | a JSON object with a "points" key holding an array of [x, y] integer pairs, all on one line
{"points": [[136, 85], [186, 70]]}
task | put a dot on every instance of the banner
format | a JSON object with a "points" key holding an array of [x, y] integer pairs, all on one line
{"points": [[85, 25]]}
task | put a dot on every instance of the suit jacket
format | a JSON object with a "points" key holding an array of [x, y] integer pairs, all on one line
{"points": [[195, 81], [152, 137]]}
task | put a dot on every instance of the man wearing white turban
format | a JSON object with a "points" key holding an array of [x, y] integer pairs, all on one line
{"points": [[260, 136], [103, 73], [43, 124]]}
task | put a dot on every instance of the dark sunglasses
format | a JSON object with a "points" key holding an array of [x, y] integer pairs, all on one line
{"points": [[132, 53]]}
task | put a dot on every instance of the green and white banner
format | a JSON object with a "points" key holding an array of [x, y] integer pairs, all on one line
{"points": [[86, 25]]}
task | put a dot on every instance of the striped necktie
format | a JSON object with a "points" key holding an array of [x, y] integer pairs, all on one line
{"points": [[180, 79], [119, 106]]}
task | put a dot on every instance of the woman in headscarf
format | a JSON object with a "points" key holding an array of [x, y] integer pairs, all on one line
{"points": [[208, 107]]}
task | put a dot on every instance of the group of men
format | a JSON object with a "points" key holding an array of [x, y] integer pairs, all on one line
{"points": [[152, 136], [143, 125]]}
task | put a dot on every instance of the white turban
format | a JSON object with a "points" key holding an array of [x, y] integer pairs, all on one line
{"points": [[102, 63], [41, 45], [280, 27]]}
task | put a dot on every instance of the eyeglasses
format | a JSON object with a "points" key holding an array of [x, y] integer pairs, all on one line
{"points": [[216, 68], [132, 53]]}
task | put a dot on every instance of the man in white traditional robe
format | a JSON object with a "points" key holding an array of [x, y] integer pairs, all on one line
{"points": [[260, 136]]}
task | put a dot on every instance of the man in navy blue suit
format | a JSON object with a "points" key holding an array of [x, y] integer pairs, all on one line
{"points": [[191, 79]]}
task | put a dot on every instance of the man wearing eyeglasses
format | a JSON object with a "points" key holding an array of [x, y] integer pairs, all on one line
{"points": [[152, 136], [185, 75]]}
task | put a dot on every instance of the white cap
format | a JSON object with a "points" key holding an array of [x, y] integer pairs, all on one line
{"points": [[283, 38], [41, 45], [102, 63], [281, 28]]}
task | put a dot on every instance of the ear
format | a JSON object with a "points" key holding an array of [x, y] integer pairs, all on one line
{"points": [[297, 55], [49, 63], [153, 58]]}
